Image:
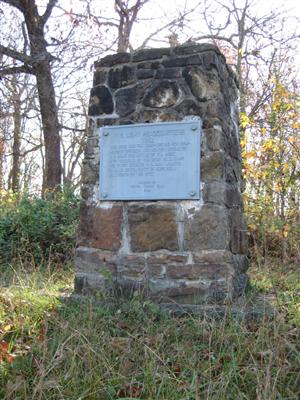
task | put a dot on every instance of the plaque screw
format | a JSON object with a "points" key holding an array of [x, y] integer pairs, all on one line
{"points": [[105, 133], [194, 128], [192, 193], [104, 195]]}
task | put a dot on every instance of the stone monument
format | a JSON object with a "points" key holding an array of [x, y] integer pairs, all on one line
{"points": [[163, 213]]}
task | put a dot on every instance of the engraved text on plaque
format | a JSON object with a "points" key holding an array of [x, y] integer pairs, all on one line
{"points": [[150, 161]]}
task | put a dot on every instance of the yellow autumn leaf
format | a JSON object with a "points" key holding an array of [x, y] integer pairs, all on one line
{"points": [[296, 125], [7, 328], [244, 120], [243, 143], [250, 154], [252, 226], [268, 145]]}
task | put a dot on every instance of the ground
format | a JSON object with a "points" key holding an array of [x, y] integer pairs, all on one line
{"points": [[51, 348]]}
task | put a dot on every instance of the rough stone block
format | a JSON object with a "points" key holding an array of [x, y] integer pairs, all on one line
{"points": [[217, 109], [101, 101], [168, 73], [100, 77], [239, 237], [213, 166], [214, 139], [150, 65], [191, 107], [181, 61], [204, 85], [132, 266], [241, 263], [213, 256], [126, 100], [91, 283], [209, 271], [156, 271], [121, 76], [207, 229], [93, 260], [100, 228], [89, 172], [195, 48], [166, 259], [239, 284], [152, 228], [145, 73], [113, 59], [190, 292], [150, 54], [162, 94], [86, 191], [221, 193]]}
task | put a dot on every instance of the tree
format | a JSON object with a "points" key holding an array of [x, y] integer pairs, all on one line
{"points": [[250, 41], [273, 169], [38, 63]]}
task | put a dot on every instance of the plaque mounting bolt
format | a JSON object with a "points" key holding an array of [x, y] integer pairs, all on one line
{"points": [[194, 128], [192, 193], [104, 195], [105, 133]]}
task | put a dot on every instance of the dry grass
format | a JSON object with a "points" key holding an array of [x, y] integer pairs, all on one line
{"points": [[77, 350]]}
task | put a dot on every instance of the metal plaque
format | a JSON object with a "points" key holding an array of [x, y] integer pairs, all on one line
{"points": [[150, 161]]}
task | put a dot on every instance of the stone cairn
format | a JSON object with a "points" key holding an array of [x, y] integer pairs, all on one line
{"points": [[173, 251]]}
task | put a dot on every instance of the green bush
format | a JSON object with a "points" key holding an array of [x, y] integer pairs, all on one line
{"points": [[37, 230]]}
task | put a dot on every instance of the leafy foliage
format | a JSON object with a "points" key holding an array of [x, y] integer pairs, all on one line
{"points": [[35, 229], [271, 152]]}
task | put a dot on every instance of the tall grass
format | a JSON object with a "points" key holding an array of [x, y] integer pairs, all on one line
{"points": [[80, 350]]}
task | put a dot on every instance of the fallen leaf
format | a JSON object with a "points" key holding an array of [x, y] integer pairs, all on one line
{"points": [[119, 343], [122, 325], [132, 391], [4, 347], [7, 328]]}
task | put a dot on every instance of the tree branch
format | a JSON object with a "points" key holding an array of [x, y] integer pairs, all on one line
{"points": [[15, 54], [48, 11], [16, 70], [15, 3], [71, 129]]}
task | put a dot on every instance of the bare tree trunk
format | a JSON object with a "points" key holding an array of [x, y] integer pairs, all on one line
{"points": [[16, 167], [38, 63], [50, 125], [1, 163], [38, 46]]}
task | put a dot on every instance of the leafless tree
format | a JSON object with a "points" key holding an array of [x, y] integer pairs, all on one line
{"points": [[248, 40], [36, 60]]}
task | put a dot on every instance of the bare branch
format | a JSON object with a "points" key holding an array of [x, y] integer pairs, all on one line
{"points": [[48, 11], [71, 129], [168, 25], [14, 54], [15, 3], [16, 70]]}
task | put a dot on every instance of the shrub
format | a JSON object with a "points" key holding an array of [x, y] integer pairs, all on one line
{"points": [[35, 229]]}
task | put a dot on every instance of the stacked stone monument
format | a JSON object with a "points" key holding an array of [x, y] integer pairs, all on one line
{"points": [[186, 251]]}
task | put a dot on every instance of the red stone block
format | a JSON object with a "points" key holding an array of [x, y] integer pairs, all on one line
{"points": [[100, 228]]}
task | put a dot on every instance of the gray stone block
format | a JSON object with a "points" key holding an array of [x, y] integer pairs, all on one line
{"points": [[207, 229]]}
